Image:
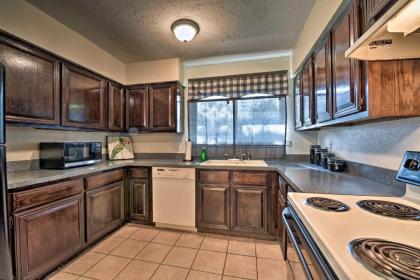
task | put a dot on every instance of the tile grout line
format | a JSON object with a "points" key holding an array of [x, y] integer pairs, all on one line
{"points": [[198, 251]]}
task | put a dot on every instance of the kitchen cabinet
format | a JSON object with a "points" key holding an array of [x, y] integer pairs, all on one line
{"points": [[307, 94], [322, 81], [298, 100], [137, 108], [282, 204], [155, 108], [53, 213], [32, 84], [162, 104], [83, 98], [104, 203], [234, 202], [140, 195], [116, 107], [374, 9], [346, 72]]}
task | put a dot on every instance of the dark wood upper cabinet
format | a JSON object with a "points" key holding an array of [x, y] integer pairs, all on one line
{"points": [[322, 81], [374, 9], [346, 75], [47, 236], [307, 94], [83, 98], [298, 100], [32, 84], [116, 107], [137, 108], [162, 98]]}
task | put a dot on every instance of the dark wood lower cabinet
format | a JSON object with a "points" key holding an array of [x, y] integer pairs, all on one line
{"points": [[47, 236], [213, 210], [104, 210], [139, 200], [249, 209]]}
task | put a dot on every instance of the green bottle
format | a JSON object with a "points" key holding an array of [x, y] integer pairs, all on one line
{"points": [[203, 155]]}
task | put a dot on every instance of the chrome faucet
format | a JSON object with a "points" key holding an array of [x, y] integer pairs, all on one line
{"points": [[226, 156]]}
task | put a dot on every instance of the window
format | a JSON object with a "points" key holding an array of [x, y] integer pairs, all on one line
{"points": [[253, 121], [239, 114]]}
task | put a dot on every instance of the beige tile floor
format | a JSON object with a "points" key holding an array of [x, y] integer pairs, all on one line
{"points": [[144, 252]]}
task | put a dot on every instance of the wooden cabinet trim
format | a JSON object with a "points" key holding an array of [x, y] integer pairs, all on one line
{"points": [[103, 179], [217, 177], [201, 223], [45, 194], [119, 126], [169, 111], [246, 178], [145, 213], [139, 172], [131, 93]]}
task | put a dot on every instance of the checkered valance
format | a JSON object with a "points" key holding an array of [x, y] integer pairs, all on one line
{"points": [[270, 83]]}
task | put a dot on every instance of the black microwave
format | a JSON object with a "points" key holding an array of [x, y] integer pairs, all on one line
{"points": [[62, 155]]}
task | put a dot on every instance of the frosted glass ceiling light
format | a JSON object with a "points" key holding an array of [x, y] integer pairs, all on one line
{"points": [[185, 30]]}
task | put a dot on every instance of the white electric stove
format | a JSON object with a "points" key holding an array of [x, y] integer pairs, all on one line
{"points": [[358, 237]]}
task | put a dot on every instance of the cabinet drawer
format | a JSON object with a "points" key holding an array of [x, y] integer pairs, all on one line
{"points": [[140, 173], [104, 179], [250, 178], [49, 193], [214, 177]]}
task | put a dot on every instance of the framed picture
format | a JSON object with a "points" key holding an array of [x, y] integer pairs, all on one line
{"points": [[120, 147]]}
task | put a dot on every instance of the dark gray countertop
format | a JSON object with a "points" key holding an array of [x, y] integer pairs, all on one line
{"points": [[301, 176]]}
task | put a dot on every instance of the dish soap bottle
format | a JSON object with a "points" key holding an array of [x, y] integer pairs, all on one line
{"points": [[203, 155]]}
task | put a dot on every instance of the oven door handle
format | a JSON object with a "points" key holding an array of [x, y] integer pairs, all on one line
{"points": [[286, 215]]}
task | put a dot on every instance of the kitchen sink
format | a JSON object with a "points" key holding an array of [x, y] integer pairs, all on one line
{"points": [[234, 162]]}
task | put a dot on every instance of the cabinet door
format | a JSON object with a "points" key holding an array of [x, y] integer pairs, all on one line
{"points": [[83, 100], [47, 236], [322, 81], [116, 107], [307, 94], [163, 107], [298, 101], [213, 207], [32, 84], [137, 109], [249, 209], [346, 85], [374, 9], [139, 200], [104, 210]]}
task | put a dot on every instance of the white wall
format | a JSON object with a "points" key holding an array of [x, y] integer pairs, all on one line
{"points": [[153, 71], [299, 141]]}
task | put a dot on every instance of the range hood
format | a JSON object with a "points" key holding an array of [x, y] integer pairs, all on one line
{"points": [[396, 35]]}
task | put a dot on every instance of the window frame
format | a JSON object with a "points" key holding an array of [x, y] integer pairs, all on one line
{"points": [[228, 99]]}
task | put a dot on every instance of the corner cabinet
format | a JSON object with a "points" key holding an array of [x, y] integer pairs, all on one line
{"points": [[116, 107], [32, 84], [346, 72], [83, 98], [155, 108], [235, 203]]}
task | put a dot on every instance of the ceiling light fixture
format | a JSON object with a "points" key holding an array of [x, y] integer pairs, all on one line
{"points": [[185, 29]]}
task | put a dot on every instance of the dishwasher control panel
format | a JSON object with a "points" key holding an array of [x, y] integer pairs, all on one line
{"points": [[173, 172]]}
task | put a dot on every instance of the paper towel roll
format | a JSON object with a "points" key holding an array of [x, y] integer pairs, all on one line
{"points": [[188, 150]]}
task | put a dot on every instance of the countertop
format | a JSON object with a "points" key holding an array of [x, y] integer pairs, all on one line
{"points": [[301, 176]]}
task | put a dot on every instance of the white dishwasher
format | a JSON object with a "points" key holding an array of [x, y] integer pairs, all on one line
{"points": [[174, 197]]}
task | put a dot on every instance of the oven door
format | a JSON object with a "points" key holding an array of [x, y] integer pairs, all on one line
{"points": [[304, 259]]}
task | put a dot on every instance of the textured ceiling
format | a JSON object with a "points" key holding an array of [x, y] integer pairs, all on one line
{"points": [[137, 30]]}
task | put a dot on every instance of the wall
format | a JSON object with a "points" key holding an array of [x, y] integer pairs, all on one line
{"points": [[299, 141], [27, 22], [153, 71], [379, 144], [320, 15]]}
